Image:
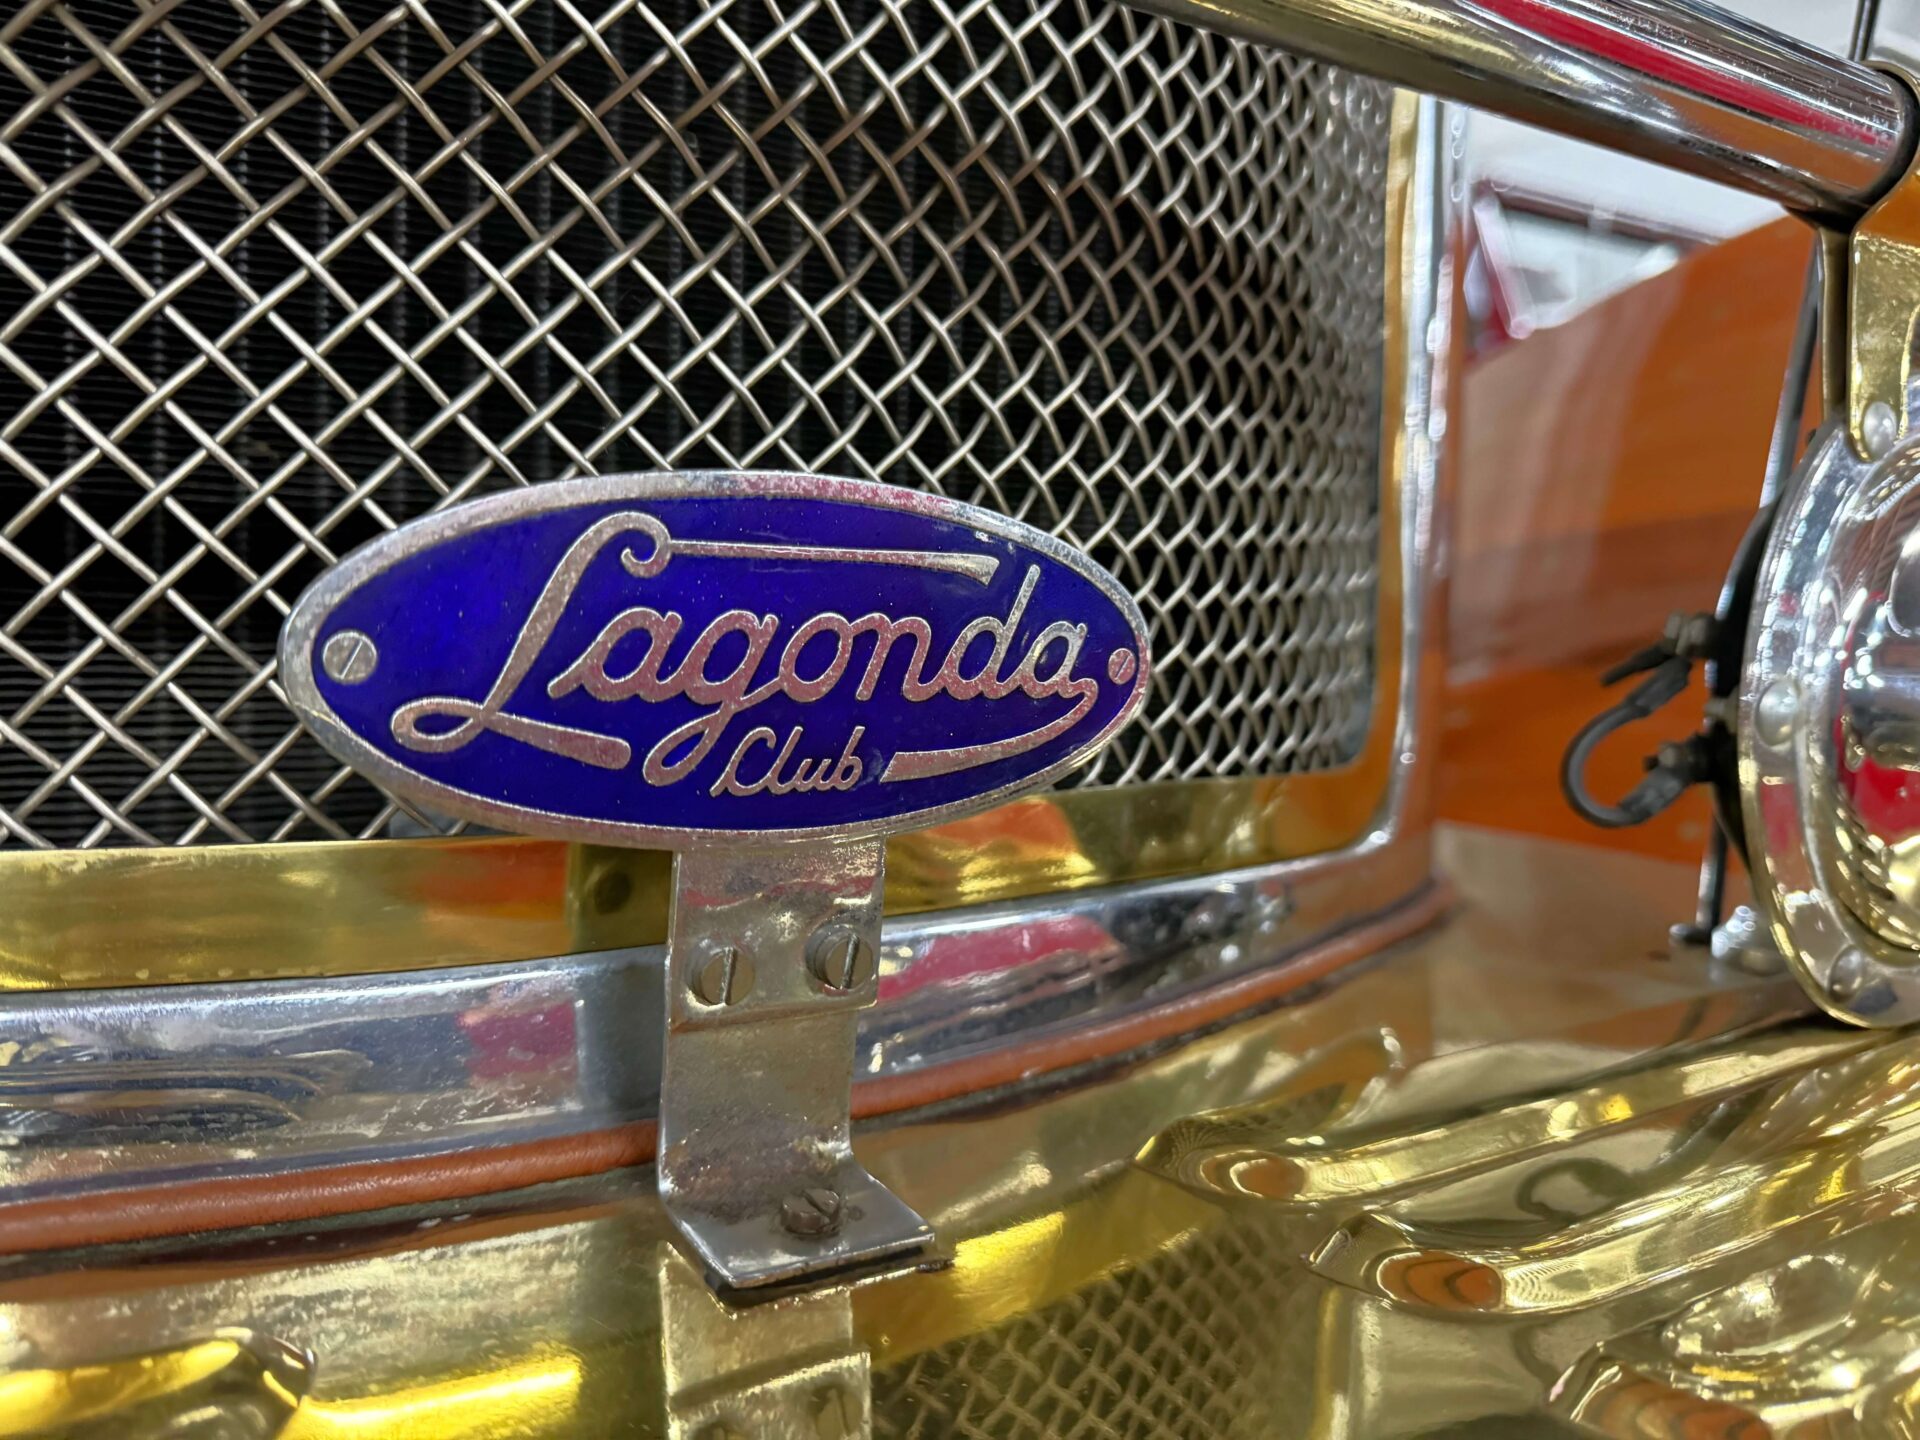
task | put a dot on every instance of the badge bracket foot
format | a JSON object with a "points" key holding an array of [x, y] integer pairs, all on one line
{"points": [[771, 956]]}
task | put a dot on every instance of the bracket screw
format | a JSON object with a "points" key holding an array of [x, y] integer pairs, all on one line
{"points": [[841, 958], [811, 1213], [724, 978]]}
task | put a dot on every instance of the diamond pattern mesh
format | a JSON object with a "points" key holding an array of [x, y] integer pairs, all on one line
{"points": [[1182, 1344], [275, 278]]}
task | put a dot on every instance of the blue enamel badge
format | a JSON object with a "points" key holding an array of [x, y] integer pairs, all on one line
{"points": [[677, 659]]}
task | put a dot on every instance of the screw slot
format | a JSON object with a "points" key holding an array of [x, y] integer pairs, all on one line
{"points": [[811, 1213], [724, 978], [840, 958], [349, 657]]}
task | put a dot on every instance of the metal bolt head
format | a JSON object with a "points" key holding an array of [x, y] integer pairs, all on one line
{"points": [[841, 958], [349, 657], [1849, 976], [1775, 711], [1879, 428], [724, 978], [811, 1213]]}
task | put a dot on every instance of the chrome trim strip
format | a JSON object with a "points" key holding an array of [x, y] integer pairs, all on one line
{"points": [[1679, 82], [108, 1090]]}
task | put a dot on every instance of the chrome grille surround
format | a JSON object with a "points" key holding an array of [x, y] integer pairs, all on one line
{"points": [[274, 281]]}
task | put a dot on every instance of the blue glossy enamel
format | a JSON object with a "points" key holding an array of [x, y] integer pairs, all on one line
{"points": [[668, 659]]}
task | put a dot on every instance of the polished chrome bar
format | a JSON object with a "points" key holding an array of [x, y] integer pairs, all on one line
{"points": [[1675, 81]]}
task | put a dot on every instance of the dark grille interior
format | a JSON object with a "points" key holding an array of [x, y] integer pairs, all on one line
{"points": [[277, 279]]}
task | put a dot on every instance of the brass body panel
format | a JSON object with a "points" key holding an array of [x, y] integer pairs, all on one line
{"points": [[1530, 1175]]}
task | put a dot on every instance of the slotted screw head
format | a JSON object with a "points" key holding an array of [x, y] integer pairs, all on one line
{"points": [[841, 958], [811, 1213], [349, 657], [724, 978]]}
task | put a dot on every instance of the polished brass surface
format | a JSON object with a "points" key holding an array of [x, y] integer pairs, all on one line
{"points": [[252, 1383], [1634, 1195], [77, 919]]}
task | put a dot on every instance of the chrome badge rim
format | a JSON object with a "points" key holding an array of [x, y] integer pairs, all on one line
{"points": [[303, 644]]}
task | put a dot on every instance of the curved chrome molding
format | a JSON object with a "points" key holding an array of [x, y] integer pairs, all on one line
{"points": [[1683, 83], [553, 1067], [1814, 708]]}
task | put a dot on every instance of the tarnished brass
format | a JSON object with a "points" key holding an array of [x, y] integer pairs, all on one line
{"points": [[1883, 303]]}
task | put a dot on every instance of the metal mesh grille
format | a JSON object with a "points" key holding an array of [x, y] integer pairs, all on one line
{"points": [[276, 278], [1190, 1343]]}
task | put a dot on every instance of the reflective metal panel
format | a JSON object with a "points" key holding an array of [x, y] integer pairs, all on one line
{"points": [[554, 1067], [1089, 1295]]}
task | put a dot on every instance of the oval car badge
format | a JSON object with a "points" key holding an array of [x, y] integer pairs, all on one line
{"points": [[683, 659]]}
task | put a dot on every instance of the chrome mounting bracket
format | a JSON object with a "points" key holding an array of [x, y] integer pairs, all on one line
{"points": [[987, 659], [771, 956]]}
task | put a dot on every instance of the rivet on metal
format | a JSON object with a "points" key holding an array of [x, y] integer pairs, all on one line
{"points": [[840, 958], [811, 1213], [1775, 712], [349, 657], [1849, 976], [1879, 428], [724, 978]]}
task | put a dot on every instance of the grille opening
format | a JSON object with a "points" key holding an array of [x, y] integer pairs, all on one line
{"points": [[277, 284]]}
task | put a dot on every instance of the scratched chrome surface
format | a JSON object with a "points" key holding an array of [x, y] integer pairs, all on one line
{"points": [[279, 278], [102, 1090], [1527, 1176]]}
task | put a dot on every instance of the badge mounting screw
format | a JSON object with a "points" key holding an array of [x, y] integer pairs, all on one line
{"points": [[811, 1213], [724, 978], [841, 958], [349, 657]]}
